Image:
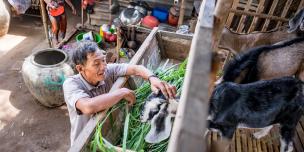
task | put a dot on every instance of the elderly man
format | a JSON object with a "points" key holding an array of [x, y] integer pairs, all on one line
{"points": [[88, 92]]}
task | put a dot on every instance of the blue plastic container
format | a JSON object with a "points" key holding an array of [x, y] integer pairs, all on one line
{"points": [[161, 14]]}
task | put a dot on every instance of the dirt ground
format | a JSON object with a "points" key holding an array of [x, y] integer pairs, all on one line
{"points": [[24, 124]]}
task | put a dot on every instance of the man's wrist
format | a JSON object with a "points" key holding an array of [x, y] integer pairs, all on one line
{"points": [[152, 76]]}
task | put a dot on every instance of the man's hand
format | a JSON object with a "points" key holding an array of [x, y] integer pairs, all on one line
{"points": [[72, 6], [128, 95], [168, 90], [156, 84]]}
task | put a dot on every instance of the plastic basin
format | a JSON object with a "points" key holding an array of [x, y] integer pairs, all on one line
{"points": [[97, 38]]}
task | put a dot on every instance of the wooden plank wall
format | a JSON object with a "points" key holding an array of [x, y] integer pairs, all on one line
{"points": [[247, 16], [243, 140]]}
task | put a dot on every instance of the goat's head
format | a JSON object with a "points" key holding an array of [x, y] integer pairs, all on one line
{"points": [[153, 103], [151, 107], [158, 111], [296, 23]]}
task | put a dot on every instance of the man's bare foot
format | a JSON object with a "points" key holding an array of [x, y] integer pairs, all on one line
{"points": [[55, 42]]}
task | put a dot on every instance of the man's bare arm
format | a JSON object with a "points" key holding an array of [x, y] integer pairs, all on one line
{"points": [[104, 101], [156, 84]]}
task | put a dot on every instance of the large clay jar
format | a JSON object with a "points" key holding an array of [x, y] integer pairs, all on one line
{"points": [[4, 19], [44, 73]]}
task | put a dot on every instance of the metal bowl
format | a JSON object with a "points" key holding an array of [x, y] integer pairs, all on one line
{"points": [[130, 16]]}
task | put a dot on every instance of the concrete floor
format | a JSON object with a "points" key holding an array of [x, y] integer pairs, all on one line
{"points": [[25, 125]]}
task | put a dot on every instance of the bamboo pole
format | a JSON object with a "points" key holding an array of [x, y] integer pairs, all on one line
{"points": [[44, 21], [181, 14]]}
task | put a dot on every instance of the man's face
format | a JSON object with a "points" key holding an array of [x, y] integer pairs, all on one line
{"points": [[94, 69]]}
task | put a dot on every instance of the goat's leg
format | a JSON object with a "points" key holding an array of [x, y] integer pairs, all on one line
{"points": [[223, 145], [287, 133], [262, 133], [228, 131], [301, 72], [286, 146]]}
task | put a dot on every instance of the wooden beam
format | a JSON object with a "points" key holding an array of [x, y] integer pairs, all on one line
{"points": [[242, 20], [255, 19], [190, 125], [84, 137], [285, 10], [173, 34], [240, 12], [44, 21], [231, 15], [273, 6]]}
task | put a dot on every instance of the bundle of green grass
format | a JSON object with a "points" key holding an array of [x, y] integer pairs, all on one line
{"points": [[134, 130]]}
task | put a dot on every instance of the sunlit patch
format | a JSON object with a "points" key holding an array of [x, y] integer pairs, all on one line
{"points": [[9, 41], [7, 110]]}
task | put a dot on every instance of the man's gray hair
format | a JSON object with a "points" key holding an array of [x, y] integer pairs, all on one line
{"points": [[81, 50]]}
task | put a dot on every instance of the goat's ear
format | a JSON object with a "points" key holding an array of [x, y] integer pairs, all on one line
{"points": [[296, 21]]}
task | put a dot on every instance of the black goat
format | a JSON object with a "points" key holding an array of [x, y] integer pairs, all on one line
{"points": [[258, 105]]}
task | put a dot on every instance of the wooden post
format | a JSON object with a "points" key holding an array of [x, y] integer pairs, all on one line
{"points": [[181, 14], [82, 20], [111, 16], [221, 14], [190, 122], [119, 43], [44, 21]]}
